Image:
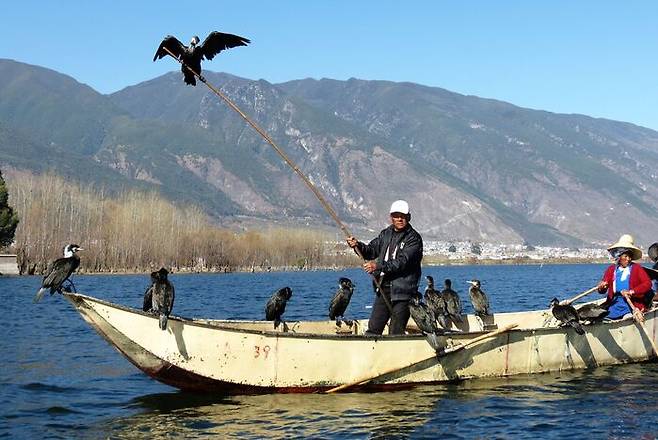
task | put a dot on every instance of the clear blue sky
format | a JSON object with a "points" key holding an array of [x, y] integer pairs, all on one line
{"points": [[598, 58]]}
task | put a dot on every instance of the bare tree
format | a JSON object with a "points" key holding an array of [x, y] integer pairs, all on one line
{"points": [[136, 231]]}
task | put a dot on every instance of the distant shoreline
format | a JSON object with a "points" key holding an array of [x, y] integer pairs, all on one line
{"points": [[428, 262], [511, 261]]}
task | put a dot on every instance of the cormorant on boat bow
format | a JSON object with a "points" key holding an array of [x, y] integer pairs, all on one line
{"points": [[59, 271]]}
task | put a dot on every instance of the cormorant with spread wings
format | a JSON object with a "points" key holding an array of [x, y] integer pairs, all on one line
{"points": [[192, 55]]}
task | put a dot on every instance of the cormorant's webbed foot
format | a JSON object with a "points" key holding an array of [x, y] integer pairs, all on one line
{"points": [[68, 288]]}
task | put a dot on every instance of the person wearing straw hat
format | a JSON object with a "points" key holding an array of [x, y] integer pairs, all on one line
{"points": [[394, 256], [624, 280]]}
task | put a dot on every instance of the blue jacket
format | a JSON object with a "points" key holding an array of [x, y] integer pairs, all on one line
{"points": [[403, 271]]}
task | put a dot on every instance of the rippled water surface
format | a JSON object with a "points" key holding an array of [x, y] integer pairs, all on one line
{"points": [[59, 379]]}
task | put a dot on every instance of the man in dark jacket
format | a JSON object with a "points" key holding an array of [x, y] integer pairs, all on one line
{"points": [[394, 258]]}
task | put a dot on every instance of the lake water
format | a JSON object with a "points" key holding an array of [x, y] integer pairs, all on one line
{"points": [[59, 379]]}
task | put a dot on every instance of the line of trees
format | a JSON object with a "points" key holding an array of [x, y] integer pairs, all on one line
{"points": [[136, 232], [8, 218]]}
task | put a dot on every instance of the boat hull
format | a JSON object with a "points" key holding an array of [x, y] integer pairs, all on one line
{"points": [[249, 357]]}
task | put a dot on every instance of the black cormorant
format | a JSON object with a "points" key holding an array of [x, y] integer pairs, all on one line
{"points": [[59, 271], [436, 303], [192, 55], [341, 300], [277, 305], [567, 315], [479, 299], [453, 303], [162, 296], [430, 285], [592, 312], [422, 315], [148, 295]]}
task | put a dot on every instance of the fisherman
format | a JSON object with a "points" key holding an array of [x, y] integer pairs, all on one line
{"points": [[393, 257], [624, 281]]}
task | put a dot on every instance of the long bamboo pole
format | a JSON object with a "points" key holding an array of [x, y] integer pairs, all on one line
{"points": [[367, 378], [579, 296], [290, 163]]}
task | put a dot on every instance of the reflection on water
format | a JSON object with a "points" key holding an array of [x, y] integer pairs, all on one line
{"points": [[615, 401], [279, 415]]}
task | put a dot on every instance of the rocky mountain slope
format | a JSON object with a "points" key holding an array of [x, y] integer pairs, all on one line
{"points": [[471, 168]]}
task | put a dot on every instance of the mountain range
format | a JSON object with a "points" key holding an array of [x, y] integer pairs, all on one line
{"points": [[471, 168]]}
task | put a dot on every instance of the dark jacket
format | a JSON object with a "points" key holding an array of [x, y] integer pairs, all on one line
{"points": [[403, 271]]}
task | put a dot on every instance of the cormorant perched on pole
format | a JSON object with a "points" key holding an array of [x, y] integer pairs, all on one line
{"points": [[59, 271], [192, 55], [277, 305], [341, 300]]}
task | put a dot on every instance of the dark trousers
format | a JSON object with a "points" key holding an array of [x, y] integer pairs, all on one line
{"points": [[380, 315]]}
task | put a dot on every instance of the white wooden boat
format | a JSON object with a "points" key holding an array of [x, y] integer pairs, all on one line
{"points": [[249, 357]]}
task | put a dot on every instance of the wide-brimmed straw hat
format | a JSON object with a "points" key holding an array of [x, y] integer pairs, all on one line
{"points": [[626, 242]]}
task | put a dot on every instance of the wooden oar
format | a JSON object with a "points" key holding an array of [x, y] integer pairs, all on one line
{"points": [[638, 317], [580, 295], [446, 352]]}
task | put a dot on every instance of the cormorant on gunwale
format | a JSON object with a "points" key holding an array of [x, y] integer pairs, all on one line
{"points": [[162, 294], [453, 302], [192, 55], [430, 286], [591, 312], [148, 295], [422, 315], [436, 303], [567, 315], [276, 306], [341, 300], [478, 299], [59, 271]]}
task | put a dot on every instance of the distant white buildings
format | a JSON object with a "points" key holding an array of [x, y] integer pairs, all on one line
{"points": [[461, 251], [489, 251]]}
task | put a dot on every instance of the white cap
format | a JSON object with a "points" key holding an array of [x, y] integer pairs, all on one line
{"points": [[400, 206]]}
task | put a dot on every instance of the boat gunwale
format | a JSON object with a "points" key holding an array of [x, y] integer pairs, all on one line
{"points": [[225, 325]]}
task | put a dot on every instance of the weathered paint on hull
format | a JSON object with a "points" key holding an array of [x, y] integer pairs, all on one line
{"points": [[231, 357]]}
